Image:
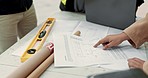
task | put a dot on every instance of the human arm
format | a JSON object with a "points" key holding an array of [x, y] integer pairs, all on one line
{"points": [[136, 34]]}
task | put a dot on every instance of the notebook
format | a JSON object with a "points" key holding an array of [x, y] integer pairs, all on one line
{"points": [[114, 13]]}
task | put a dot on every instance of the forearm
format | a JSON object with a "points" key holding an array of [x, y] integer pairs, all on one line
{"points": [[137, 32]]}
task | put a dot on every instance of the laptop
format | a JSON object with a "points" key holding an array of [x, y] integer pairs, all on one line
{"points": [[132, 73], [114, 13]]}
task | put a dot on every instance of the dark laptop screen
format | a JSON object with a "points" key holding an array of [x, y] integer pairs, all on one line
{"points": [[114, 13]]}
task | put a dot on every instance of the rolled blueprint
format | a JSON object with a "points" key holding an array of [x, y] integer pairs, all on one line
{"points": [[31, 64], [40, 69]]}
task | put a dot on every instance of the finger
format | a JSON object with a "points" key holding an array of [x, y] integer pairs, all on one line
{"points": [[129, 63], [135, 64], [109, 45], [130, 66], [105, 43], [130, 59], [139, 60], [104, 40], [98, 43]]}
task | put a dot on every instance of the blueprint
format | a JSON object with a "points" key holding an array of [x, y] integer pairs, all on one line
{"points": [[77, 51]]}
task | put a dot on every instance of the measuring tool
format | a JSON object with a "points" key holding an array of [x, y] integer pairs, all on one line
{"points": [[39, 39]]}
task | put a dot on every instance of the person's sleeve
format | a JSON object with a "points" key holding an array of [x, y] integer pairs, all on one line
{"points": [[138, 32], [145, 67]]}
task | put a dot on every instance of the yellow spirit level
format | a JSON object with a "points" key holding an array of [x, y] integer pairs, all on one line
{"points": [[39, 39]]}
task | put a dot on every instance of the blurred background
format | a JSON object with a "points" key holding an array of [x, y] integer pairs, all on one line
{"points": [[46, 8]]}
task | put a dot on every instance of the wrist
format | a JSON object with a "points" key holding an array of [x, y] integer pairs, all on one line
{"points": [[145, 68], [124, 36]]}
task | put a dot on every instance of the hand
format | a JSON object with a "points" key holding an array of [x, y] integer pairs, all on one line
{"points": [[135, 63], [112, 40]]}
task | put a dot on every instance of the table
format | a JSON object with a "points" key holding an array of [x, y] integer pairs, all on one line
{"points": [[9, 62]]}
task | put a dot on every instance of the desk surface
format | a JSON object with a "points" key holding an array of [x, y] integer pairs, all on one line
{"points": [[9, 62]]}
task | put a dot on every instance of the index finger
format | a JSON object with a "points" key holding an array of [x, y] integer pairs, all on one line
{"points": [[104, 40]]}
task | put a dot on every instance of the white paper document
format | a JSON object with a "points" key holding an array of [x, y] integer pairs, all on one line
{"points": [[71, 50]]}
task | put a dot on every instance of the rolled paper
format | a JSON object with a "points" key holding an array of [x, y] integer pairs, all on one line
{"points": [[77, 33], [31, 64], [40, 69]]}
